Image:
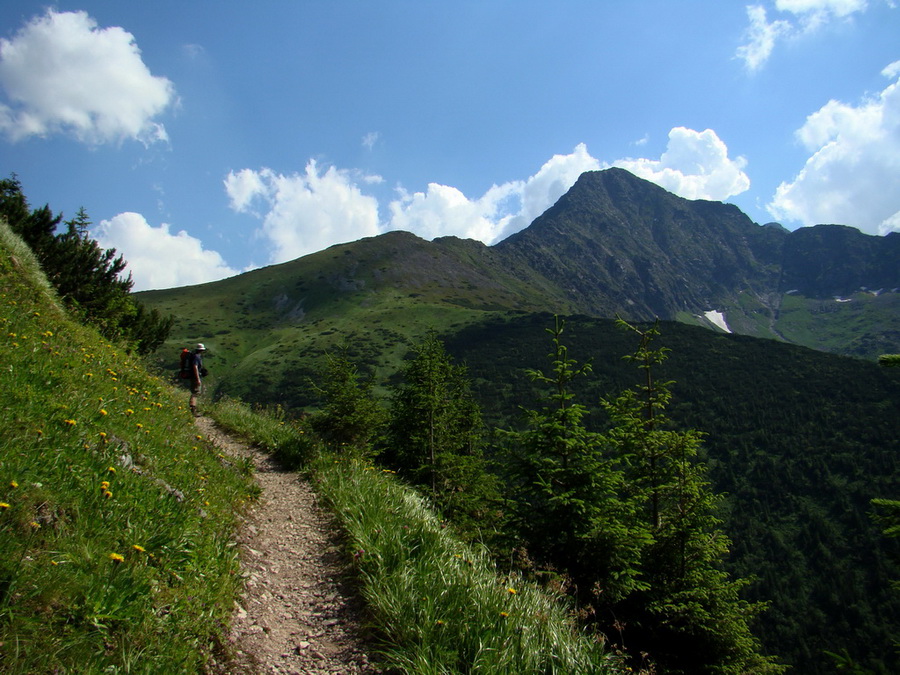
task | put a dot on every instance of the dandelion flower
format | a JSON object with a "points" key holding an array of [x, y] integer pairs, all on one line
{"points": [[107, 494], [111, 469], [4, 505], [104, 485], [103, 412], [511, 591], [504, 614], [138, 548], [116, 558], [13, 484], [70, 423], [35, 525]]}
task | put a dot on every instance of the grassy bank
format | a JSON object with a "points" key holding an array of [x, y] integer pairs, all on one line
{"points": [[116, 518], [439, 606]]}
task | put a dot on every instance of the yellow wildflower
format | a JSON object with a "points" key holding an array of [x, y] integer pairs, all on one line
{"points": [[70, 423], [504, 614], [107, 494], [112, 469], [116, 558], [103, 412], [511, 591], [4, 505], [138, 548], [13, 484]]}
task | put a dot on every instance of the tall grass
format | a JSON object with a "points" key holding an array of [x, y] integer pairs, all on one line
{"points": [[439, 605], [115, 516]]}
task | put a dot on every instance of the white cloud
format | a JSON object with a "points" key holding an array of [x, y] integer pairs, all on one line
{"points": [[695, 165], [370, 139], [63, 74], [891, 70], [305, 212], [244, 187], [157, 258], [853, 174], [761, 37], [501, 211], [805, 17], [806, 8]]}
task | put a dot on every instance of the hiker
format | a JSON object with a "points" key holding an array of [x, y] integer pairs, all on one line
{"points": [[195, 373]]}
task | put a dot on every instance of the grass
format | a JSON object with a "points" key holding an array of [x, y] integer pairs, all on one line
{"points": [[116, 517], [440, 606], [854, 328]]}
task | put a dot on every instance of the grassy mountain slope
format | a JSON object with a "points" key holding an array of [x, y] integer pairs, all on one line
{"points": [[268, 329], [115, 517]]}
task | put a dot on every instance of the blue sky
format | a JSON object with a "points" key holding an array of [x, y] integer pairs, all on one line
{"points": [[205, 139]]}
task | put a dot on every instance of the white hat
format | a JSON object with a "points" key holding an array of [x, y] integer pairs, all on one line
{"points": [[200, 347]]}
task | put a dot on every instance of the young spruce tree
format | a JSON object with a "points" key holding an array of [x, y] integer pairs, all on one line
{"points": [[434, 435], [630, 516], [689, 616], [568, 490], [350, 418]]}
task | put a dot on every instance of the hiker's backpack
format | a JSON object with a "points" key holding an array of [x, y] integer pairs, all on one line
{"points": [[186, 364]]}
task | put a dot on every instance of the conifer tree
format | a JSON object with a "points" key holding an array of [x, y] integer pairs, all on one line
{"points": [[87, 277], [350, 417], [630, 515], [434, 433], [567, 490], [689, 615]]}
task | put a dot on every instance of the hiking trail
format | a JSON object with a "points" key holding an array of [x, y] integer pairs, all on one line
{"points": [[298, 613]]}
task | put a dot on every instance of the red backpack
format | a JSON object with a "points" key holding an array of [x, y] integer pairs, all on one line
{"points": [[186, 363]]}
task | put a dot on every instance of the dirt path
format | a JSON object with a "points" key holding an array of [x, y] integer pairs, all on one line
{"points": [[298, 614]]}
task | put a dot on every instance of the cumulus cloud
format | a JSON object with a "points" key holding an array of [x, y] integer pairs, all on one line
{"points": [[803, 16], [307, 212], [499, 212], [61, 73], [156, 257], [852, 176], [695, 165], [304, 213]]}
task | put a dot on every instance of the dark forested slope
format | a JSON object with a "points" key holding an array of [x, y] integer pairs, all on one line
{"points": [[800, 441]]}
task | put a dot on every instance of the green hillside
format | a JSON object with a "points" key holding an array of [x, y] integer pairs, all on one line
{"points": [[115, 517]]}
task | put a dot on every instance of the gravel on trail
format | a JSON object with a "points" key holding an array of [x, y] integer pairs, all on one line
{"points": [[299, 613]]}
